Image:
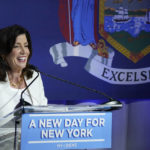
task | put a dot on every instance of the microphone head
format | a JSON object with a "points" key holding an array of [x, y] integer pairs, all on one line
{"points": [[34, 68]]}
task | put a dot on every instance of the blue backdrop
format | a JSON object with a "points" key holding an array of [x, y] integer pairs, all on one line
{"points": [[42, 20]]}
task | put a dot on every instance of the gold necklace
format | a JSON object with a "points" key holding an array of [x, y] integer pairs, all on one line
{"points": [[16, 85], [13, 84]]}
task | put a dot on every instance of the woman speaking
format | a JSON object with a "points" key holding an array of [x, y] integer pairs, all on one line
{"points": [[15, 71]]}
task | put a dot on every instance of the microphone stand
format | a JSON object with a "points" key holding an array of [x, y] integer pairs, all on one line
{"points": [[111, 101], [22, 101]]}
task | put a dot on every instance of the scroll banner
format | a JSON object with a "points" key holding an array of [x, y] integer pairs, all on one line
{"points": [[99, 66], [66, 131]]}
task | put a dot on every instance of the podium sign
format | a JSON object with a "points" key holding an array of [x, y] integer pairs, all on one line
{"points": [[66, 131]]}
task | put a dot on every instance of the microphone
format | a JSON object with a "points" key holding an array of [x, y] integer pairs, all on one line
{"points": [[111, 101], [22, 101]]}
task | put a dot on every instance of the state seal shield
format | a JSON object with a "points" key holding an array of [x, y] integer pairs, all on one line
{"points": [[125, 24]]}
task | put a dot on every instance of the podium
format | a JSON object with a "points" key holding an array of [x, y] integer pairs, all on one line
{"points": [[14, 127]]}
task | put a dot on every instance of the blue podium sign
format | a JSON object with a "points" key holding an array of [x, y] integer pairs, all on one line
{"points": [[66, 131]]}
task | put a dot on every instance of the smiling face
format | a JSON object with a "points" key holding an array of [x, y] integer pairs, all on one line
{"points": [[18, 57]]}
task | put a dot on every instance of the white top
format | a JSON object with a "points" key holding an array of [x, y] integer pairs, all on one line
{"points": [[10, 97]]}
